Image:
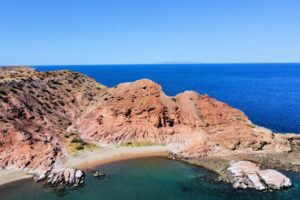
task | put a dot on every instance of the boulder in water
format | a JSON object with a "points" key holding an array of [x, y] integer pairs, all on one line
{"points": [[246, 174]]}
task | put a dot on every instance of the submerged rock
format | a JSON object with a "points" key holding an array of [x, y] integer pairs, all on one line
{"points": [[246, 174], [99, 174]]}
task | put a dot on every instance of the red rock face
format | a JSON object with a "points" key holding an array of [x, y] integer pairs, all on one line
{"points": [[37, 109], [140, 111]]}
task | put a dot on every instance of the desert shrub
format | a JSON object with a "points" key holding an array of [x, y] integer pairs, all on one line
{"points": [[72, 134], [46, 91], [14, 91], [61, 103], [80, 147], [3, 93], [33, 85], [77, 140], [5, 100], [4, 132], [47, 105]]}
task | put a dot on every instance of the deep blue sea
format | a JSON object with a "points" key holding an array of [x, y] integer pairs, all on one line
{"points": [[269, 94]]}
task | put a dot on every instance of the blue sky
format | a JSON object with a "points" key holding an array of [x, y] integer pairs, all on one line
{"points": [[37, 32]]}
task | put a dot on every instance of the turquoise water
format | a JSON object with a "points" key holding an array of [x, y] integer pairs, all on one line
{"points": [[147, 179], [268, 93]]}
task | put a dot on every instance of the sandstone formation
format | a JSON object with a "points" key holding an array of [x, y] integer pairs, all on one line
{"points": [[41, 111], [245, 174]]}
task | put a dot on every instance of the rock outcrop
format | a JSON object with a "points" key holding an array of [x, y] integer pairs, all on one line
{"points": [[246, 174], [67, 176], [35, 110], [39, 111]]}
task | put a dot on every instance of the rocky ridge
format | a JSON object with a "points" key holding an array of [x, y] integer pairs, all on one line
{"points": [[39, 111]]}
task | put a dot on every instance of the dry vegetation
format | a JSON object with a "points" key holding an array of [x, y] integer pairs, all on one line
{"points": [[76, 144]]}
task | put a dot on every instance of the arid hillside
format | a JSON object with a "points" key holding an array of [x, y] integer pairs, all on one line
{"points": [[44, 116]]}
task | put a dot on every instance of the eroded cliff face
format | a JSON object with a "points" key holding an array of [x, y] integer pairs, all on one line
{"points": [[37, 109], [198, 124]]}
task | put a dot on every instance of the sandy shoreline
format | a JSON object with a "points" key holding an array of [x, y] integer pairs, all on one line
{"points": [[87, 160], [90, 159], [11, 175]]}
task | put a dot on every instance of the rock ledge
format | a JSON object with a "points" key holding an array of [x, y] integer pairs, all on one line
{"points": [[246, 174]]}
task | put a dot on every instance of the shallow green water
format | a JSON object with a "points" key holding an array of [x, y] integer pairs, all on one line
{"points": [[147, 178]]}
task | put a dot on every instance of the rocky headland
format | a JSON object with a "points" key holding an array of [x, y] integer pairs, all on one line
{"points": [[46, 117]]}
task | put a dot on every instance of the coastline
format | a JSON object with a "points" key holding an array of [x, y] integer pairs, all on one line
{"points": [[12, 175], [86, 160], [89, 159]]}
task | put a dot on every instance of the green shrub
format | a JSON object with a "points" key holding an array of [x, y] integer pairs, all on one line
{"points": [[77, 140], [72, 134], [79, 147]]}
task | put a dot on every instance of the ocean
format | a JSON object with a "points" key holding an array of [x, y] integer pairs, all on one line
{"points": [[269, 94]]}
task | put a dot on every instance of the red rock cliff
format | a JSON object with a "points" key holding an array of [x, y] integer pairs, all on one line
{"points": [[37, 109]]}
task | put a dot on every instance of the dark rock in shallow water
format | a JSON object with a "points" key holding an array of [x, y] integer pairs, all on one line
{"points": [[99, 174]]}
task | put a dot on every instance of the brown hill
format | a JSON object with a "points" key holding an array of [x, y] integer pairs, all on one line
{"points": [[40, 112]]}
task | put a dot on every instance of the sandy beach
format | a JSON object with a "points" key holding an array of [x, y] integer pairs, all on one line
{"points": [[10, 175], [90, 159]]}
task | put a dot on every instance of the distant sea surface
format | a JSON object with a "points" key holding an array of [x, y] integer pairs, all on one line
{"points": [[269, 94]]}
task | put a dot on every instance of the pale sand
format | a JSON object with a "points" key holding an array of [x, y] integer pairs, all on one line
{"points": [[89, 159], [10, 175], [86, 160]]}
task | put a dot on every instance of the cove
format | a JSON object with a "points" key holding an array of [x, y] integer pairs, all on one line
{"points": [[146, 178]]}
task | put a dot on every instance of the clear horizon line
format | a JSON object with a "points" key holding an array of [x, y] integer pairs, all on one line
{"points": [[162, 63]]}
